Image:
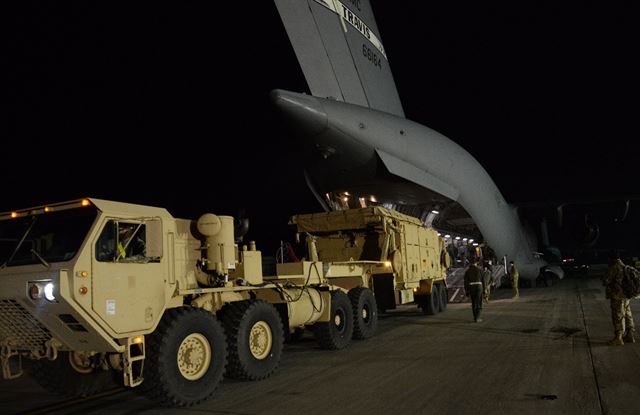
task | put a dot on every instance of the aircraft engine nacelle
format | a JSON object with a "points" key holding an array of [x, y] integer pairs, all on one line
{"points": [[584, 231], [583, 223]]}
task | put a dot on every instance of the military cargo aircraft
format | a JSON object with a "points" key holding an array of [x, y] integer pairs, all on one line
{"points": [[359, 149]]}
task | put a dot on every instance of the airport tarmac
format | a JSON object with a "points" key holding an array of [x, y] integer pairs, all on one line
{"points": [[544, 353]]}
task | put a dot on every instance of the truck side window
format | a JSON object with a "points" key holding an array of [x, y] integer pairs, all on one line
{"points": [[122, 242], [106, 244]]}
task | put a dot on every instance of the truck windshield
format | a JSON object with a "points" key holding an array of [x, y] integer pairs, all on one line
{"points": [[53, 236]]}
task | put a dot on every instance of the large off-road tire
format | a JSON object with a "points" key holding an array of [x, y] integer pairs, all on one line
{"points": [[186, 357], [431, 302], [444, 297], [255, 339], [59, 376], [337, 332], [365, 312]]}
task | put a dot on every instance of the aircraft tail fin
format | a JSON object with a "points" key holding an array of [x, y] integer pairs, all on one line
{"points": [[339, 48]]}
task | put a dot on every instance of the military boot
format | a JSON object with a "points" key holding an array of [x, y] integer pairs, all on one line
{"points": [[628, 336], [616, 341]]}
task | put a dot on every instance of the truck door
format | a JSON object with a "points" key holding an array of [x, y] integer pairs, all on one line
{"points": [[128, 274]]}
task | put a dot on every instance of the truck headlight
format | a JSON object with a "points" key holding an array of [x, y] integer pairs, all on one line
{"points": [[48, 291]]}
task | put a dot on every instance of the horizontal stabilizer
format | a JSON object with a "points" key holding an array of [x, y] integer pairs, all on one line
{"points": [[410, 172], [340, 51]]}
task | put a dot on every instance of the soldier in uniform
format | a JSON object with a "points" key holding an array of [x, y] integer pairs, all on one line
{"points": [[513, 277], [620, 310], [486, 281], [473, 288]]}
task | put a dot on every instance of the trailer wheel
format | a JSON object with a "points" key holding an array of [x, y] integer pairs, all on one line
{"points": [[186, 357], [365, 313], [431, 302], [72, 375], [255, 335], [444, 297], [337, 332]]}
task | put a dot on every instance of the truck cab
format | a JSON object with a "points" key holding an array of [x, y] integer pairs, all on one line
{"points": [[85, 275]]}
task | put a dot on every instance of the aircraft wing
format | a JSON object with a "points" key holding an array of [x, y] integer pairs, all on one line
{"points": [[340, 50]]}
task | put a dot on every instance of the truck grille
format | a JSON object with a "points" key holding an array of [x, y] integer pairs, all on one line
{"points": [[25, 331]]}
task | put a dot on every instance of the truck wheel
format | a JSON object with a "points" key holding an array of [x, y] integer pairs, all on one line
{"points": [[186, 357], [72, 375], [336, 333], [431, 302], [255, 336], [365, 312], [444, 297]]}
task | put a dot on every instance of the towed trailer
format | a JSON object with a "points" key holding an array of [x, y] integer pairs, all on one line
{"points": [[97, 292]]}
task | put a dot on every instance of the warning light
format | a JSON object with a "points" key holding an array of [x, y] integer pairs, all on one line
{"points": [[137, 340], [85, 202], [14, 214], [83, 290], [35, 292], [47, 209]]}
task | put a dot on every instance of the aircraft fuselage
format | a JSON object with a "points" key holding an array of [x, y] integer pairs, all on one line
{"points": [[348, 146]]}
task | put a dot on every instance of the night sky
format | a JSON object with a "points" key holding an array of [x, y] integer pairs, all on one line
{"points": [[544, 96]]}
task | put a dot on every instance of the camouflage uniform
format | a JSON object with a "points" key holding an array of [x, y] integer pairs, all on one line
{"points": [[486, 283], [513, 276], [620, 310], [473, 288]]}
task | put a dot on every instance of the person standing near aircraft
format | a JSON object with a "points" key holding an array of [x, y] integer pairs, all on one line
{"points": [[513, 277], [620, 310], [486, 281], [473, 288]]}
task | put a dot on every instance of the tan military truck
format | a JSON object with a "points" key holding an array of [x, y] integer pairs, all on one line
{"points": [[91, 288], [415, 256]]}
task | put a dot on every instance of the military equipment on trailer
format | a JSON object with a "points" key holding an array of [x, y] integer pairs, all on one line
{"points": [[91, 288], [410, 259]]}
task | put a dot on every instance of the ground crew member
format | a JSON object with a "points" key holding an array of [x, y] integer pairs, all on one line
{"points": [[620, 310], [486, 281], [513, 277], [473, 288]]}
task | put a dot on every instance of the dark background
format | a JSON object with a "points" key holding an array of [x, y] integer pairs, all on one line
{"points": [[543, 95]]}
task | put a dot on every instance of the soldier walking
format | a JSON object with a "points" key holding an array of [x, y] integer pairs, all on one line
{"points": [[623, 325], [473, 288]]}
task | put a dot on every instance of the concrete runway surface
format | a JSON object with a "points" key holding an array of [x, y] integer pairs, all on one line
{"points": [[544, 353]]}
